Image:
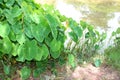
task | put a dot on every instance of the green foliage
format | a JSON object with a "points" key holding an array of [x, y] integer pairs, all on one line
{"points": [[112, 57], [71, 60], [29, 31], [33, 32], [76, 30], [112, 54], [116, 35], [87, 39], [97, 62], [6, 68], [25, 73]]}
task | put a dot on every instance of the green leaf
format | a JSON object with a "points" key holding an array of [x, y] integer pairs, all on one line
{"points": [[44, 52], [17, 28], [30, 49], [103, 36], [97, 62], [76, 28], [78, 31], [25, 73], [71, 60], [87, 35], [38, 56], [4, 29], [16, 11], [12, 36], [7, 45], [55, 54], [37, 72], [83, 24], [35, 18], [73, 36], [21, 38], [9, 3], [9, 16], [38, 32], [53, 22], [90, 28], [114, 33], [6, 69], [19, 2], [14, 51], [55, 45], [97, 46], [21, 53], [28, 31]]}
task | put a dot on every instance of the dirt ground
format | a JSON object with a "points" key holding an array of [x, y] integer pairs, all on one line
{"points": [[88, 72]]}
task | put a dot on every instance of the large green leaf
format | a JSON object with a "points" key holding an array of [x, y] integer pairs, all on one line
{"points": [[31, 49], [4, 29], [17, 28], [35, 18], [75, 28], [28, 51], [78, 31], [37, 32], [55, 45], [28, 31], [7, 45], [21, 53], [44, 52], [73, 36], [40, 32], [38, 56], [21, 38], [55, 54], [53, 22], [16, 11], [9, 16]]}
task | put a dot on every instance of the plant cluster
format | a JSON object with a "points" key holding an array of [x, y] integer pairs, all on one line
{"points": [[87, 42], [32, 32], [112, 54], [29, 31]]}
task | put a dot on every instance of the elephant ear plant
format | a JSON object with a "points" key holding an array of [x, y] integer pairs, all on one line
{"points": [[86, 39], [30, 32]]}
